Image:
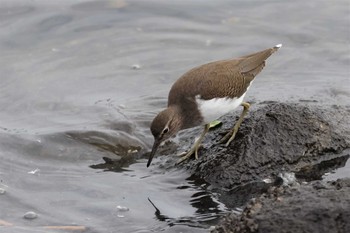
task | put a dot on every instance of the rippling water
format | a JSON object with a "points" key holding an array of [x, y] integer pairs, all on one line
{"points": [[81, 81]]}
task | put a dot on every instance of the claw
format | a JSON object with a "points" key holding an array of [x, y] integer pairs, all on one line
{"points": [[228, 138], [186, 155], [195, 148]]}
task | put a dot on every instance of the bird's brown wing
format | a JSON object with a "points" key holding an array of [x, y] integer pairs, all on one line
{"points": [[226, 78]]}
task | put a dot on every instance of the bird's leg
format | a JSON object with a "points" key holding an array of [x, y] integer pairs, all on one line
{"points": [[196, 146], [232, 133]]}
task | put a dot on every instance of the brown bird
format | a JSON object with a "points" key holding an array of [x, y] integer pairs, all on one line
{"points": [[206, 93]]}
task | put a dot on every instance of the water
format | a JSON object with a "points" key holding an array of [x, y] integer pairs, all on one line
{"points": [[81, 81]]}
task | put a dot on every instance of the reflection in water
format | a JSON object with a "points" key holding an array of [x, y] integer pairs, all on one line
{"points": [[203, 220], [158, 215], [66, 66], [204, 201], [121, 155], [115, 165], [316, 171], [208, 208], [240, 195]]}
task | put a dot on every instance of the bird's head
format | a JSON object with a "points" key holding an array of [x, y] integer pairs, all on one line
{"points": [[165, 125]]}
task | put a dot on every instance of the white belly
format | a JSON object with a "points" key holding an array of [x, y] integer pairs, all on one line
{"points": [[215, 108]]}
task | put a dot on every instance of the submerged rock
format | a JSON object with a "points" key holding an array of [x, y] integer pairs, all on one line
{"points": [[314, 207]]}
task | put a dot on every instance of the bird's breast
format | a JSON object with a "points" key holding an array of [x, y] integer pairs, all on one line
{"points": [[214, 108]]}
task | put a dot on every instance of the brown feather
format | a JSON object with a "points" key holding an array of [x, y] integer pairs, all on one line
{"points": [[225, 78], [221, 79]]}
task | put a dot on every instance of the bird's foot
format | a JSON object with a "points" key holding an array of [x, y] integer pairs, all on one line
{"points": [[228, 138], [186, 155]]}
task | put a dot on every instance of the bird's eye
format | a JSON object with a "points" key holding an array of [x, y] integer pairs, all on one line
{"points": [[165, 130]]}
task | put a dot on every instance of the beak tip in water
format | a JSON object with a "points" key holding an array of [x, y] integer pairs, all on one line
{"points": [[154, 149]]}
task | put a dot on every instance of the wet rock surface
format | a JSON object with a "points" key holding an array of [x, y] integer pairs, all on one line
{"points": [[273, 138], [276, 143], [314, 207]]}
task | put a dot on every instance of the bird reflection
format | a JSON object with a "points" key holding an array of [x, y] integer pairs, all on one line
{"points": [[207, 209], [158, 215]]}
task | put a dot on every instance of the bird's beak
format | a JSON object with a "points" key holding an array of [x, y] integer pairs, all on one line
{"points": [[153, 152]]}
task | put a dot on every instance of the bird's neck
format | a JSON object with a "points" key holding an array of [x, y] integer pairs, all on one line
{"points": [[188, 114]]}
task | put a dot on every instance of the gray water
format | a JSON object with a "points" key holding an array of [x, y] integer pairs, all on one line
{"points": [[82, 80]]}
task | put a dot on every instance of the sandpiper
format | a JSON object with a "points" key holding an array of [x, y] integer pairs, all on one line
{"points": [[206, 93]]}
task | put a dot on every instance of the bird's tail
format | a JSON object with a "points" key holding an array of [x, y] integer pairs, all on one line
{"points": [[252, 61]]}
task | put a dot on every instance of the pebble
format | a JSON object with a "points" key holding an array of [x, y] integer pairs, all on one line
{"points": [[267, 180], [2, 191], [30, 215], [136, 67], [122, 208], [288, 178]]}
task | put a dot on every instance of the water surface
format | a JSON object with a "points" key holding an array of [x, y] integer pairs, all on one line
{"points": [[82, 80]]}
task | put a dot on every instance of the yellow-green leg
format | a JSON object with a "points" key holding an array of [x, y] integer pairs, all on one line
{"points": [[232, 133], [196, 146]]}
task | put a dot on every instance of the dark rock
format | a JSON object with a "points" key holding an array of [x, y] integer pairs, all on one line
{"points": [[273, 138], [277, 142], [304, 208]]}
